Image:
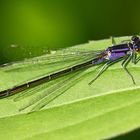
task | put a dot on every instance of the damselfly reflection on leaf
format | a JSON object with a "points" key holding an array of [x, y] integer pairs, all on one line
{"points": [[125, 52]]}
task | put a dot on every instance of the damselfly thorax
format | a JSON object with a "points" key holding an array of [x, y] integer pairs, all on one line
{"points": [[114, 52]]}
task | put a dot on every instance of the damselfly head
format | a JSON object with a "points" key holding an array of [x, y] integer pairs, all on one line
{"points": [[136, 43], [135, 39]]}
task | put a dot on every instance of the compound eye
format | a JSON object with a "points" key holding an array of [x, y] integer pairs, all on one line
{"points": [[135, 47], [135, 38]]}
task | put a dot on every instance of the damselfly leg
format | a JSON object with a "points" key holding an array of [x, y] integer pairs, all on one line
{"points": [[104, 68], [135, 59], [124, 65]]}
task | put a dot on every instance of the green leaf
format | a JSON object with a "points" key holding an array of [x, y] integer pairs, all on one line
{"points": [[67, 107]]}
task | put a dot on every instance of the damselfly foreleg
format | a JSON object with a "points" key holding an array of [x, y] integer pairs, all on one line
{"points": [[135, 59]]}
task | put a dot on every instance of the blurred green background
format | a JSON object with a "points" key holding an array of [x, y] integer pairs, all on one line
{"points": [[30, 27]]}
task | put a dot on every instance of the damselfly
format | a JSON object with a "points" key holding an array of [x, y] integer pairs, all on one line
{"points": [[127, 52]]}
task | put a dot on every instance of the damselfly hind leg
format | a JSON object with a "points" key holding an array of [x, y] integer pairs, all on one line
{"points": [[124, 65], [104, 68]]}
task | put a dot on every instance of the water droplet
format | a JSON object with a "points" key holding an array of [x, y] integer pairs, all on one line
{"points": [[30, 53], [13, 45], [53, 52]]}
